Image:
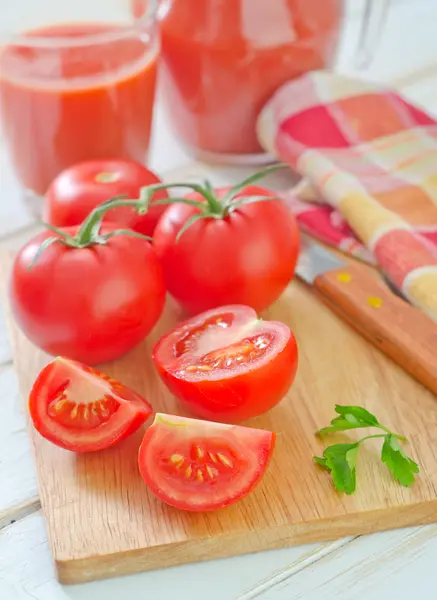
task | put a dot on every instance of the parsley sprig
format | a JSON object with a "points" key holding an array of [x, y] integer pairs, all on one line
{"points": [[341, 459]]}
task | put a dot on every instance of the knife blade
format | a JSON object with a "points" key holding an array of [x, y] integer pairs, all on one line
{"points": [[363, 300]]}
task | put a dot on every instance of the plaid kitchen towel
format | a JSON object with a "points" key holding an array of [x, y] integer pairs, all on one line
{"points": [[369, 164]]}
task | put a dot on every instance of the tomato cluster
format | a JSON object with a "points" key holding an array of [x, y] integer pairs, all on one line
{"points": [[93, 286]]}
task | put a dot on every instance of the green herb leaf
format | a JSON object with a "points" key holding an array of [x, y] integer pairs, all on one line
{"points": [[321, 462], [402, 467], [351, 417], [341, 461]]}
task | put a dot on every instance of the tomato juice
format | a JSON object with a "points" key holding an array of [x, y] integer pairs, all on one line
{"points": [[223, 59], [76, 92]]}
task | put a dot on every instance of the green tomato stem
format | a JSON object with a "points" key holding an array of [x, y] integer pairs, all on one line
{"points": [[91, 226], [212, 202], [213, 207]]}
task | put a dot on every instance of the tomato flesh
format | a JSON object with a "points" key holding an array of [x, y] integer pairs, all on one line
{"points": [[81, 409], [226, 364], [198, 465], [229, 357]]}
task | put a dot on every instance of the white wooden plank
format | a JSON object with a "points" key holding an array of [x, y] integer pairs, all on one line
{"points": [[26, 572], [13, 212], [5, 348], [393, 564], [18, 489]]}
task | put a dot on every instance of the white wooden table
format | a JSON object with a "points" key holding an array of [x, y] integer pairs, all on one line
{"points": [[396, 564]]}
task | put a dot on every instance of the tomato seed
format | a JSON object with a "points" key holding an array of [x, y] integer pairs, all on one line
{"points": [[198, 368], [199, 475], [177, 460], [211, 471], [224, 460], [261, 343], [58, 405]]}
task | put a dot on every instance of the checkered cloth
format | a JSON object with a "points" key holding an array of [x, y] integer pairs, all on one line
{"points": [[369, 164]]}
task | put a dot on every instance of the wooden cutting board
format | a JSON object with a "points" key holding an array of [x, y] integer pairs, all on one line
{"points": [[102, 521]]}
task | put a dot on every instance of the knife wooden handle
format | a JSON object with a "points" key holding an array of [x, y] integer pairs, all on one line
{"points": [[398, 329]]}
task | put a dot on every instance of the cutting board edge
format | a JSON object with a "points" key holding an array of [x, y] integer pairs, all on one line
{"points": [[94, 568]]}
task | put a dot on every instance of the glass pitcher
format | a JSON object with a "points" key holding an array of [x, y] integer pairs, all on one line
{"points": [[222, 59]]}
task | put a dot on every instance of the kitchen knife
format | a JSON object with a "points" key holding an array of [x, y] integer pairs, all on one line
{"points": [[359, 297]]}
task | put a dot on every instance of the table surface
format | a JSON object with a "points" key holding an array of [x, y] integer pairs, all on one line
{"points": [[387, 565]]}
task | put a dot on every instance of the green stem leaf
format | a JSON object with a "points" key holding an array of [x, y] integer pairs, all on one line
{"points": [[129, 232], [63, 234], [213, 203], [90, 228], [236, 189], [201, 205], [188, 224], [246, 200], [46, 244]]}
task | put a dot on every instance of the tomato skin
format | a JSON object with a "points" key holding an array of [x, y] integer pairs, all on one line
{"points": [[250, 451], [89, 304], [133, 412], [244, 397], [248, 258], [238, 396], [76, 192]]}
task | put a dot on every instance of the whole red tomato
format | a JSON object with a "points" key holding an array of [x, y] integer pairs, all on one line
{"points": [[233, 247], [79, 189], [91, 303]]}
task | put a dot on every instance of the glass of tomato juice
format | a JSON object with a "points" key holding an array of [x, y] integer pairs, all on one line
{"points": [[222, 60], [77, 82]]}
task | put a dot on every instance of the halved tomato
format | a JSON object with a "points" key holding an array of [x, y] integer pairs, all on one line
{"points": [[81, 409], [227, 364], [198, 465]]}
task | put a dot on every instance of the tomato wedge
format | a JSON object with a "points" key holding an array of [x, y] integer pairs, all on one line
{"points": [[227, 364], [83, 410], [198, 465]]}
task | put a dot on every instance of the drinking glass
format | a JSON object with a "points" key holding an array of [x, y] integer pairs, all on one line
{"points": [[77, 82], [223, 59]]}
